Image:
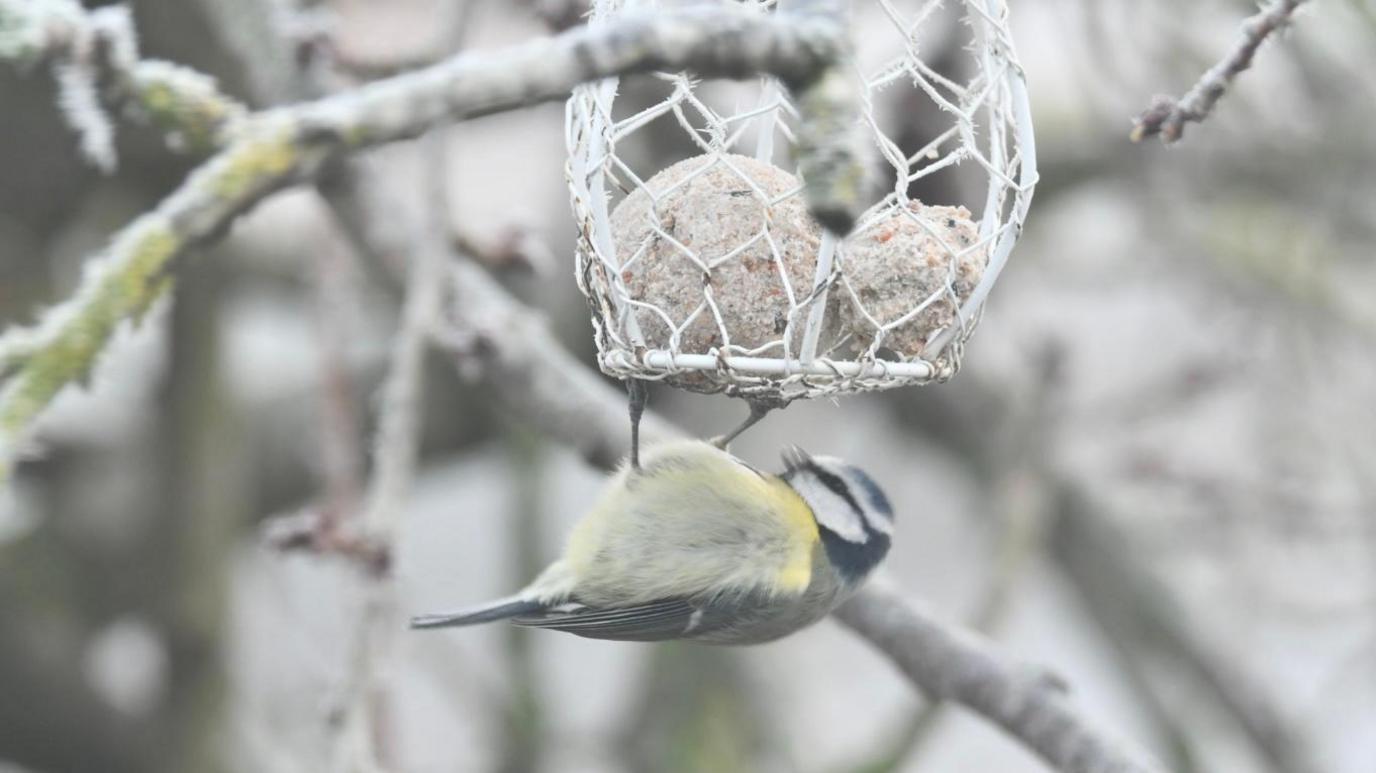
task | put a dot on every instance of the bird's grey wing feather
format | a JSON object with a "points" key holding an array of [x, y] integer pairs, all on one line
{"points": [[656, 621]]}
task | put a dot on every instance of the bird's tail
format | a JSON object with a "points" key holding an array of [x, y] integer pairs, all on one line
{"points": [[550, 589], [500, 609]]}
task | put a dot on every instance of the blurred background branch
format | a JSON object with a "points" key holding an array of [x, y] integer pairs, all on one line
{"points": [[362, 719], [1167, 116], [1025, 702]]}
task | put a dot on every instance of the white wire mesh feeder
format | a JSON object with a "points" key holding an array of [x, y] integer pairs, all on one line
{"points": [[709, 273]]}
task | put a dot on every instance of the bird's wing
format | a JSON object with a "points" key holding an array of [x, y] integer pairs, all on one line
{"points": [[656, 621]]}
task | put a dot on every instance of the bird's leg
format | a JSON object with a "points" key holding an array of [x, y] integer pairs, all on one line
{"points": [[638, 393], [758, 410]]}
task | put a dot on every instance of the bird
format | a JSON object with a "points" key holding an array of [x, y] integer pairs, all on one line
{"points": [[691, 543]]}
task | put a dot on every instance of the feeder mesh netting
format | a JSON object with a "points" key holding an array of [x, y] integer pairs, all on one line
{"points": [[708, 272]]}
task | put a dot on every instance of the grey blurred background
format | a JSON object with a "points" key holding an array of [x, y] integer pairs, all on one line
{"points": [[1154, 474]]}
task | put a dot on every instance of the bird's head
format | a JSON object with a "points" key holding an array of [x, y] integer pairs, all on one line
{"points": [[852, 513]]}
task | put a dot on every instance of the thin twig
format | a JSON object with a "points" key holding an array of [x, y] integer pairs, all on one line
{"points": [[341, 447], [361, 726], [1167, 116]]}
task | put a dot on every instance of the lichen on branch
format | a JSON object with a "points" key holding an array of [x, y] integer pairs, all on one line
{"points": [[124, 280], [66, 345]]}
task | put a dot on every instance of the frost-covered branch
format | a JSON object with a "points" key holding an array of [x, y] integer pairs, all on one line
{"points": [[94, 58], [276, 148], [124, 280], [1167, 116]]}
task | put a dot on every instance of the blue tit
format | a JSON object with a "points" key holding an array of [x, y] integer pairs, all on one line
{"points": [[695, 544]]}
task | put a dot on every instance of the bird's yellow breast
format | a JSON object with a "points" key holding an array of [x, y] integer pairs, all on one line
{"points": [[797, 518], [693, 520]]}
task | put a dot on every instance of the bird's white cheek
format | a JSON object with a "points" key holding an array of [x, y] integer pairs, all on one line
{"points": [[831, 511], [844, 524]]}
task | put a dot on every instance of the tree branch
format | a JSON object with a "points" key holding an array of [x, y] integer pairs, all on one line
{"points": [[952, 664], [1167, 116], [279, 147]]}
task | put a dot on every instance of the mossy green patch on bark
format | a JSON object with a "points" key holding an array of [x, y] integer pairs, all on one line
{"points": [[184, 103], [123, 289], [146, 274], [257, 161]]}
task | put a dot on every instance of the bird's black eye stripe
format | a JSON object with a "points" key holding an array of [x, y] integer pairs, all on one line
{"points": [[839, 488]]}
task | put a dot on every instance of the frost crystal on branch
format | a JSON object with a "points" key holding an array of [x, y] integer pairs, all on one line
{"points": [[80, 103]]}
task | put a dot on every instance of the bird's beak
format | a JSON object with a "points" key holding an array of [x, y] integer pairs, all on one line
{"points": [[794, 458]]}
